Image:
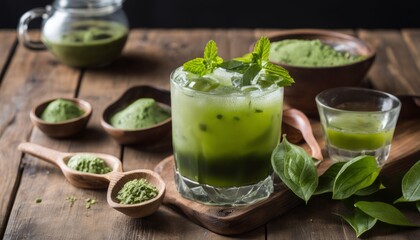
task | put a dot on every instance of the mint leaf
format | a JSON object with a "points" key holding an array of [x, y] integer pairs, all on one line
{"points": [[206, 65], [279, 72], [195, 66], [385, 213], [411, 183], [356, 174], [250, 74], [359, 221], [262, 49], [234, 65], [295, 168], [247, 58], [210, 51]]}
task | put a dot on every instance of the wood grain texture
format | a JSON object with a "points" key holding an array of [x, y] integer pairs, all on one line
{"points": [[31, 77], [394, 67], [149, 58], [227, 220], [7, 48]]}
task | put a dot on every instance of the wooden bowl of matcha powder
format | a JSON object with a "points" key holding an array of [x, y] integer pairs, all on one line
{"points": [[317, 60]]}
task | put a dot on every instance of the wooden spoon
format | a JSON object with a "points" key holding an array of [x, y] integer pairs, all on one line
{"points": [[114, 180], [298, 120], [76, 178]]}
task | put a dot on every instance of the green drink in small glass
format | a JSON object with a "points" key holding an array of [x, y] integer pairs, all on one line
{"points": [[358, 121], [224, 133]]}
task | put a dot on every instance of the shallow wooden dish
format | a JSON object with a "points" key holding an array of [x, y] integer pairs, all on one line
{"points": [[309, 81], [140, 209], [145, 136], [61, 129]]}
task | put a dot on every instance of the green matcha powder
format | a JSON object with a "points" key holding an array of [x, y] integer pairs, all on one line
{"points": [[143, 113], [61, 110], [309, 53], [88, 163], [137, 191]]}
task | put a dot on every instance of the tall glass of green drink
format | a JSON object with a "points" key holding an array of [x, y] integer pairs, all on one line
{"points": [[358, 121], [224, 134]]}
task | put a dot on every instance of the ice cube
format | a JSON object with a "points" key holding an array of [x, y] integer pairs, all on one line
{"points": [[204, 84]]}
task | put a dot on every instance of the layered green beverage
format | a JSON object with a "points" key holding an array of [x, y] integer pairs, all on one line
{"points": [[224, 134]]}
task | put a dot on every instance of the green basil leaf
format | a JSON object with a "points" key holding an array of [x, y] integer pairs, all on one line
{"points": [[401, 200], [385, 213], [411, 183], [356, 174], [295, 168], [195, 66], [373, 188], [359, 221], [326, 180], [250, 74]]}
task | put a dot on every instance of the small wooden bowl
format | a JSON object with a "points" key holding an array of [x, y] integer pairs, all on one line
{"points": [[309, 81], [144, 136], [61, 129], [140, 209]]}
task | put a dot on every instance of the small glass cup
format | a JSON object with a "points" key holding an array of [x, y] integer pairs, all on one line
{"points": [[223, 140], [357, 121]]}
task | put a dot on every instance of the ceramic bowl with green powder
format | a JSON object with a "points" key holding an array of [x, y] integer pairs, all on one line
{"points": [[317, 60], [141, 116], [61, 117]]}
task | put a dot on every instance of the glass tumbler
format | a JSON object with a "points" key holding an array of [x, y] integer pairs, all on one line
{"points": [[357, 121]]}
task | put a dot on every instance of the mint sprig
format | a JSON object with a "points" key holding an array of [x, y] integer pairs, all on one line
{"points": [[256, 64], [207, 64]]}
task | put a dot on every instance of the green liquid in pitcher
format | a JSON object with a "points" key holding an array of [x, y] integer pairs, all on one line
{"points": [[88, 43]]}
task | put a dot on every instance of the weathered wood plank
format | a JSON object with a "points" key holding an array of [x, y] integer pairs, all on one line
{"points": [[149, 58], [32, 77], [394, 69], [170, 55], [8, 42]]}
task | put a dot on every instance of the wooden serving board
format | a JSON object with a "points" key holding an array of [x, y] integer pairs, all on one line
{"points": [[227, 220], [405, 152]]}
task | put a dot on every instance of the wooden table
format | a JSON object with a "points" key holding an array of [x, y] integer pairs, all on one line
{"points": [[29, 77]]}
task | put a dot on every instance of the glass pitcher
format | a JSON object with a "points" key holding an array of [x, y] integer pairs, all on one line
{"points": [[80, 33]]}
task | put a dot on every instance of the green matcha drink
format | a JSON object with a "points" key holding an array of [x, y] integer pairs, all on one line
{"points": [[357, 121], [354, 132], [224, 138], [87, 43], [224, 134]]}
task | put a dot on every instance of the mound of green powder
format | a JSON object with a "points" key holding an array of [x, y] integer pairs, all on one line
{"points": [[88, 163], [309, 53], [61, 110], [142, 113], [137, 191]]}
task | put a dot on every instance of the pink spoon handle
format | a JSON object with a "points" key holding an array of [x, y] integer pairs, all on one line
{"points": [[298, 120]]}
